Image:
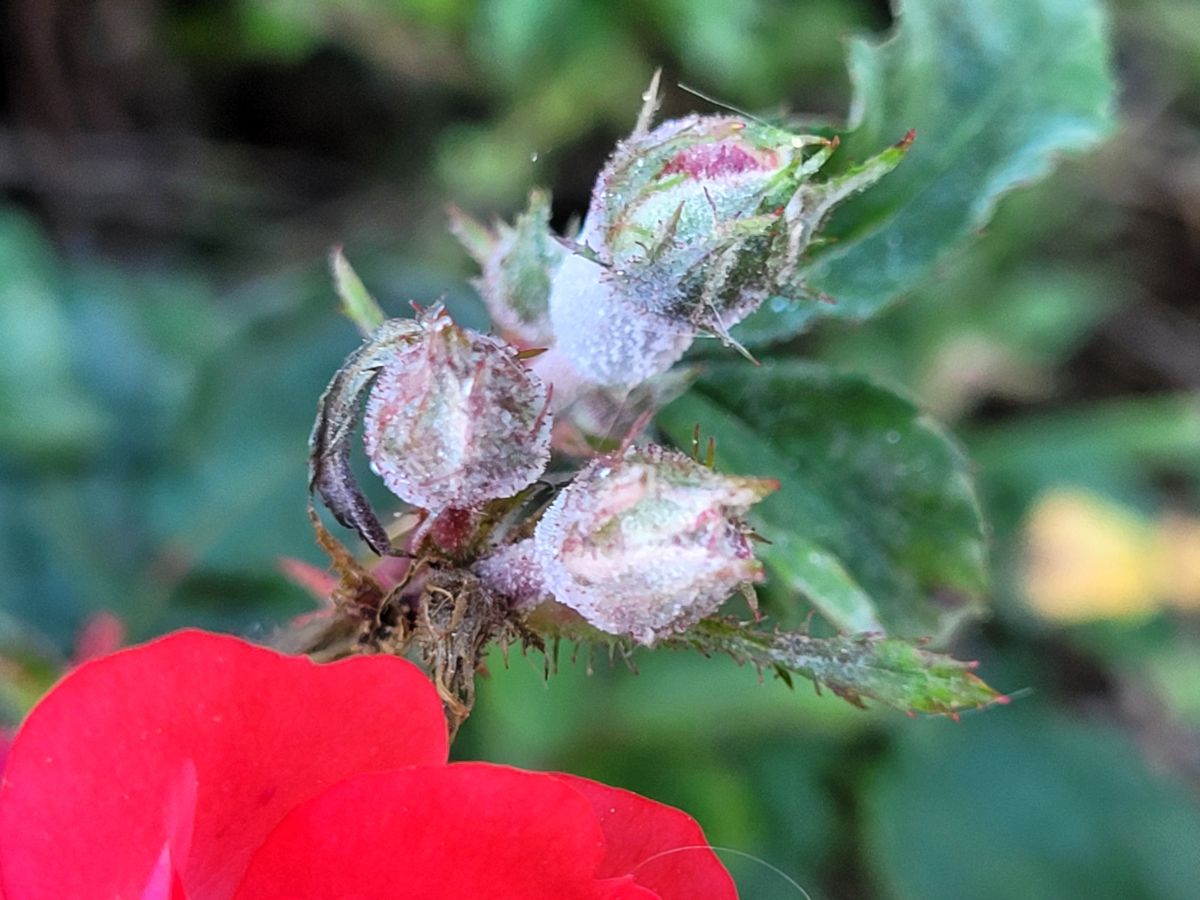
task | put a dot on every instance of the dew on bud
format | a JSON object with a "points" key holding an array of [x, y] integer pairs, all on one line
{"points": [[648, 541], [454, 419]]}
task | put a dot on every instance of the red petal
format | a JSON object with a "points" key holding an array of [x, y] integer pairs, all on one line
{"points": [[97, 783], [459, 832], [663, 848], [5, 743]]}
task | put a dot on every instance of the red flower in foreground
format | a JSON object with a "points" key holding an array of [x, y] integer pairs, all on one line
{"points": [[200, 766]]}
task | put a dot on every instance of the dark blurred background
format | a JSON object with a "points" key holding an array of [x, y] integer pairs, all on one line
{"points": [[172, 175]]}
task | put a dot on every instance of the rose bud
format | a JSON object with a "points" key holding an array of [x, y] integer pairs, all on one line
{"points": [[648, 542], [691, 226], [454, 419], [517, 262]]}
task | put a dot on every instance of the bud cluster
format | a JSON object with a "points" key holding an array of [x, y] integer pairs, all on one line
{"points": [[691, 226]]}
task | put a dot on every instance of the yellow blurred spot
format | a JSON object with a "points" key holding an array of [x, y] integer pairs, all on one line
{"points": [[1088, 558], [1177, 551]]}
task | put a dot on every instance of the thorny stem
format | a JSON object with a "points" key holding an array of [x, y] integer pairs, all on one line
{"points": [[890, 671], [439, 615]]}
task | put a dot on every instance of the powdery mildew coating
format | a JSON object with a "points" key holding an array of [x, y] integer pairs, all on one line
{"points": [[649, 542], [513, 572], [607, 340], [516, 263], [454, 419], [685, 232]]}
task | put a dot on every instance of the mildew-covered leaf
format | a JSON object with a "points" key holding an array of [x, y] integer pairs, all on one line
{"points": [[890, 671]]}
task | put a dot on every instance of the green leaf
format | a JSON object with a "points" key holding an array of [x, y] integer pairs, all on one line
{"points": [[874, 501], [1023, 804], [996, 90], [812, 571], [45, 414], [890, 671]]}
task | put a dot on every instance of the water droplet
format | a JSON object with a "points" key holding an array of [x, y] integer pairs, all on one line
{"points": [[533, 157]]}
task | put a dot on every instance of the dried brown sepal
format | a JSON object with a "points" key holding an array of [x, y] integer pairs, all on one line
{"points": [[443, 619], [356, 593], [329, 472], [448, 625]]}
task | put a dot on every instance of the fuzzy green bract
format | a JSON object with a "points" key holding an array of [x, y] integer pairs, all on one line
{"points": [[996, 90]]}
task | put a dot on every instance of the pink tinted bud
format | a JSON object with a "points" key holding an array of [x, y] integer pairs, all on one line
{"points": [[692, 225], [648, 542], [689, 218], [454, 419]]}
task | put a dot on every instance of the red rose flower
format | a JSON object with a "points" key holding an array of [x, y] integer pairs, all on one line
{"points": [[200, 766]]}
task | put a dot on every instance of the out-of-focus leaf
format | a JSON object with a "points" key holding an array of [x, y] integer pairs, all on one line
{"points": [[44, 412], [996, 90], [1023, 805], [1126, 433], [1104, 447], [279, 28], [877, 494], [511, 32], [986, 330], [493, 166], [1174, 669]]}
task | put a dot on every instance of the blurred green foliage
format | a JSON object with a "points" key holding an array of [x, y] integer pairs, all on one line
{"points": [[166, 334]]}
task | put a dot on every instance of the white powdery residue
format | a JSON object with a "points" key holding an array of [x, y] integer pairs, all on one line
{"points": [[649, 543], [606, 335], [455, 420], [513, 572]]}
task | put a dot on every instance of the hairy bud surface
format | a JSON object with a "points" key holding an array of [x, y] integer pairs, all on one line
{"points": [[648, 542], [454, 419]]}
